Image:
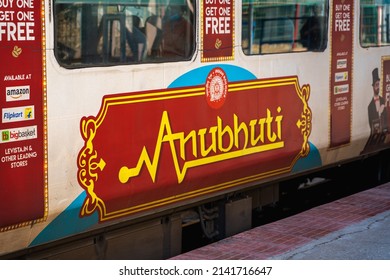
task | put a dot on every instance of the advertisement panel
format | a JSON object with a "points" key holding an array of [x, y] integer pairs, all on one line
{"points": [[23, 189], [341, 72], [217, 30], [385, 86]]}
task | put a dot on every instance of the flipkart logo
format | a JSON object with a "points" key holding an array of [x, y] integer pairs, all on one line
{"points": [[28, 113], [341, 76], [18, 114]]}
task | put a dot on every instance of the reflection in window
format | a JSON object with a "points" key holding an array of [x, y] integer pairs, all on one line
{"points": [[109, 32], [270, 26], [374, 23]]}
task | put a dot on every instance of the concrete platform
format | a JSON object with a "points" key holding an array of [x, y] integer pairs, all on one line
{"points": [[356, 227], [366, 240]]}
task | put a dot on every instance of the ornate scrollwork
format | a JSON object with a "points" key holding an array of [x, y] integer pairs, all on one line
{"points": [[89, 166], [304, 123]]}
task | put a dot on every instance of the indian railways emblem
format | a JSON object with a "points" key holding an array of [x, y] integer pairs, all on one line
{"points": [[216, 88]]}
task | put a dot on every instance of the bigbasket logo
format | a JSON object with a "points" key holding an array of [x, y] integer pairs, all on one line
{"points": [[5, 135], [341, 89], [18, 134], [17, 114]]}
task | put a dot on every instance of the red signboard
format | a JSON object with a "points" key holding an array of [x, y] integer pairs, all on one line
{"points": [[22, 143], [150, 149], [217, 30], [341, 72]]}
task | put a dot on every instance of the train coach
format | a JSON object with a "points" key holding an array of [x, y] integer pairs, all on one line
{"points": [[124, 121]]}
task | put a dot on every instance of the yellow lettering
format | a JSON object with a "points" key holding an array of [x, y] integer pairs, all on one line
{"points": [[213, 147], [183, 141], [237, 129], [216, 143], [229, 135]]}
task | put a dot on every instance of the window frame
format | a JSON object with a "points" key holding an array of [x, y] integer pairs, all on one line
{"points": [[379, 28], [296, 21], [106, 3]]}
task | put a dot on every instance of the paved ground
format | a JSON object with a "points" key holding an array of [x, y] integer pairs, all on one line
{"points": [[356, 227], [366, 240]]}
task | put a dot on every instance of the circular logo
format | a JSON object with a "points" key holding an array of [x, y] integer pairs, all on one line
{"points": [[216, 88]]}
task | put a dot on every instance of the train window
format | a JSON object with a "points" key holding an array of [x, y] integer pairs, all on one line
{"points": [[110, 32], [277, 26], [374, 23]]}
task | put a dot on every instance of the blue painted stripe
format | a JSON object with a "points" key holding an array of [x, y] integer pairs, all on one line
{"points": [[198, 76], [67, 223]]}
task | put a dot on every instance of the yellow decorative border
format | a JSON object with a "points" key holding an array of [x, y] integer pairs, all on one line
{"points": [[90, 164]]}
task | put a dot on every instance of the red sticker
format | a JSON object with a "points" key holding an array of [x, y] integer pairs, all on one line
{"points": [[216, 88]]}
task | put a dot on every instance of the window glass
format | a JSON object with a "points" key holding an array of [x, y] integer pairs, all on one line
{"points": [[374, 23], [276, 26], [110, 32]]}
